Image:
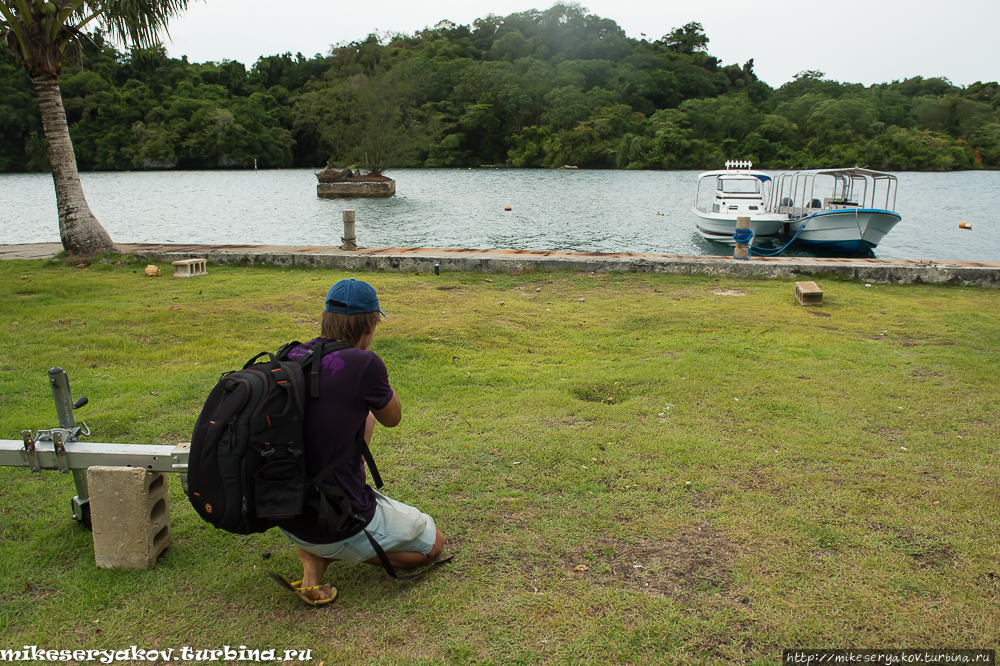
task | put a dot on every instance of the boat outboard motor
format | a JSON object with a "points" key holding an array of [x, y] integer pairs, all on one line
{"points": [[816, 203], [786, 201]]}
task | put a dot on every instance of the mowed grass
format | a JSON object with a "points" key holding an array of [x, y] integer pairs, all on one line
{"points": [[739, 474]]}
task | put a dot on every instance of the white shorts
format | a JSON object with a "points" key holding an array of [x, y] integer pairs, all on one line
{"points": [[397, 527]]}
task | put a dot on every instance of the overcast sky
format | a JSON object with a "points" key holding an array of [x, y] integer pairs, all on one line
{"points": [[858, 41]]}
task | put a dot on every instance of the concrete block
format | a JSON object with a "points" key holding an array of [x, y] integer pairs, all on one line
{"points": [[130, 515], [808, 293], [189, 268]]}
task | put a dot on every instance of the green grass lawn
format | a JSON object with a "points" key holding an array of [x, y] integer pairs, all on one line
{"points": [[739, 474]]}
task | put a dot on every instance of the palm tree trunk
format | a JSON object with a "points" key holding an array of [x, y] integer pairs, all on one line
{"points": [[79, 230]]}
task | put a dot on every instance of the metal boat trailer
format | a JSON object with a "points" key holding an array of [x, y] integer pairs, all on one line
{"points": [[61, 449]]}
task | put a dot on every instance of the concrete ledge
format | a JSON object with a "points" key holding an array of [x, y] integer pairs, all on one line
{"points": [[876, 271], [881, 271], [385, 188]]}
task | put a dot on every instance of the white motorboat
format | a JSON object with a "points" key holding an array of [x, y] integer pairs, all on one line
{"points": [[839, 210], [722, 196]]}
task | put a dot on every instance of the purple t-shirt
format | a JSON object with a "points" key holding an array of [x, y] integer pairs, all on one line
{"points": [[352, 382]]}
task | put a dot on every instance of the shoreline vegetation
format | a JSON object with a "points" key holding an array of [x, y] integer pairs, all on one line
{"points": [[630, 468], [533, 89]]}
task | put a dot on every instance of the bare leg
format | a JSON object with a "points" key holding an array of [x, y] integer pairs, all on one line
{"points": [[313, 568], [411, 560]]}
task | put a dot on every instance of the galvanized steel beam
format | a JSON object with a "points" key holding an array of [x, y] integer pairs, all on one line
{"points": [[81, 455]]}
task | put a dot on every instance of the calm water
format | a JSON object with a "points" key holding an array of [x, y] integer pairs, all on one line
{"points": [[591, 211]]}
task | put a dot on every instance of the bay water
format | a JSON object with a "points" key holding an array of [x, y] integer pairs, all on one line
{"points": [[570, 210]]}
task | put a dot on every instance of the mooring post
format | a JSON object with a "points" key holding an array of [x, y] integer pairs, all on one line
{"points": [[742, 251], [350, 241]]}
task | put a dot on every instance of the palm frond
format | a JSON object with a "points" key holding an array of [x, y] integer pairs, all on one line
{"points": [[13, 32], [25, 11], [71, 9], [136, 22], [39, 42]]}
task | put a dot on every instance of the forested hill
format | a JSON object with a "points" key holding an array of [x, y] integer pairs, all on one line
{"points": [[538, 88]]}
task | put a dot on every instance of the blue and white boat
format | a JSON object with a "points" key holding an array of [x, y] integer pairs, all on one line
{"points": [[723, 196], [835, 210]]}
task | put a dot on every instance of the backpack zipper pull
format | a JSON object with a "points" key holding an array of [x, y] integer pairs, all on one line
{"points": [[244, 505]]}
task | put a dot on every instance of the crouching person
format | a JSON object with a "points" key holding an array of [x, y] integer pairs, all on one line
{"points": [[354, 392]]}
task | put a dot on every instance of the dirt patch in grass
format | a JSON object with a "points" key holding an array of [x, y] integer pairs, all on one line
{"points": [[501, 554], [933, 559], [989, 581], [889, 435], [694, 561], [506, 323], [757, 478], [924, 551], [568, 421], [605, 392]]}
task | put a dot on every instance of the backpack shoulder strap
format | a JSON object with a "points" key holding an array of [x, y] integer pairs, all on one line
{"points": [[369, 460], [387, 565], [331, 516], [283, 350], [323, 349]]}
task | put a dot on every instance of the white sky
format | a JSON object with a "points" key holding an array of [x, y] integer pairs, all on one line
{"points": [[858, 41]]}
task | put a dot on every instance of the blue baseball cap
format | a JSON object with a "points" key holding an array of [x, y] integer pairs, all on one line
{"points": [[352, 297]]}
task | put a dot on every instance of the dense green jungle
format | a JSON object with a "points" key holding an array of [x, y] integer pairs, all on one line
{"points": [[533, 89]]}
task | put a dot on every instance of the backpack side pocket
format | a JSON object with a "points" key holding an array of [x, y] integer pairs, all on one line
{"points": [[279, 489]]}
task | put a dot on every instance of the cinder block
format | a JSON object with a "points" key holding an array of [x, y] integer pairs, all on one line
{"points": [[189, 268], [808, 293], [130, 515]]}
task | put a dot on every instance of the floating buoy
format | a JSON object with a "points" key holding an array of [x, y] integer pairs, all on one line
{"points": [[964, 225], [507, 208]]}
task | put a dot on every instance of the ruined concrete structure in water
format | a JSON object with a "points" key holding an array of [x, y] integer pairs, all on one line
{"points": [[346, 189], [337, 184]]}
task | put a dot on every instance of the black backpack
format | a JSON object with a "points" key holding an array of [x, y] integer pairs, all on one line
{"points": [[246, 470], [246, 467]]}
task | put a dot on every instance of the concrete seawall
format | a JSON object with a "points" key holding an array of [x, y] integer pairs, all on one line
{"points": [[882, 271]]}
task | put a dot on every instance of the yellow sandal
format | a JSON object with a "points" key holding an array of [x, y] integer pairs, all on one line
{"points": [[300, 592]]}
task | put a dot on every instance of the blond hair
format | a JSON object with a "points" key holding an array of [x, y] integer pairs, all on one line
{"points": [[348, 328]]}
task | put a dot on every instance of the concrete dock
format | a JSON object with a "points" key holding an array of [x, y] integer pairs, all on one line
{"points": [[882, 271]]}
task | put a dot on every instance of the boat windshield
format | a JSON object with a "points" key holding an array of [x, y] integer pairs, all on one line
{"points": [[739, 185]]}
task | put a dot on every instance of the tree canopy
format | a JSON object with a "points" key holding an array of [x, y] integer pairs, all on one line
{"points": [[532, 89]]}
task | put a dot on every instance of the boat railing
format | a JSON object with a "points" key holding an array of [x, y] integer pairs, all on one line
{"points": [[851, 188]]}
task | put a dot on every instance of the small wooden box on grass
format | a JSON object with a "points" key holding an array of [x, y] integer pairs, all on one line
{"points": [[808, 293]]}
